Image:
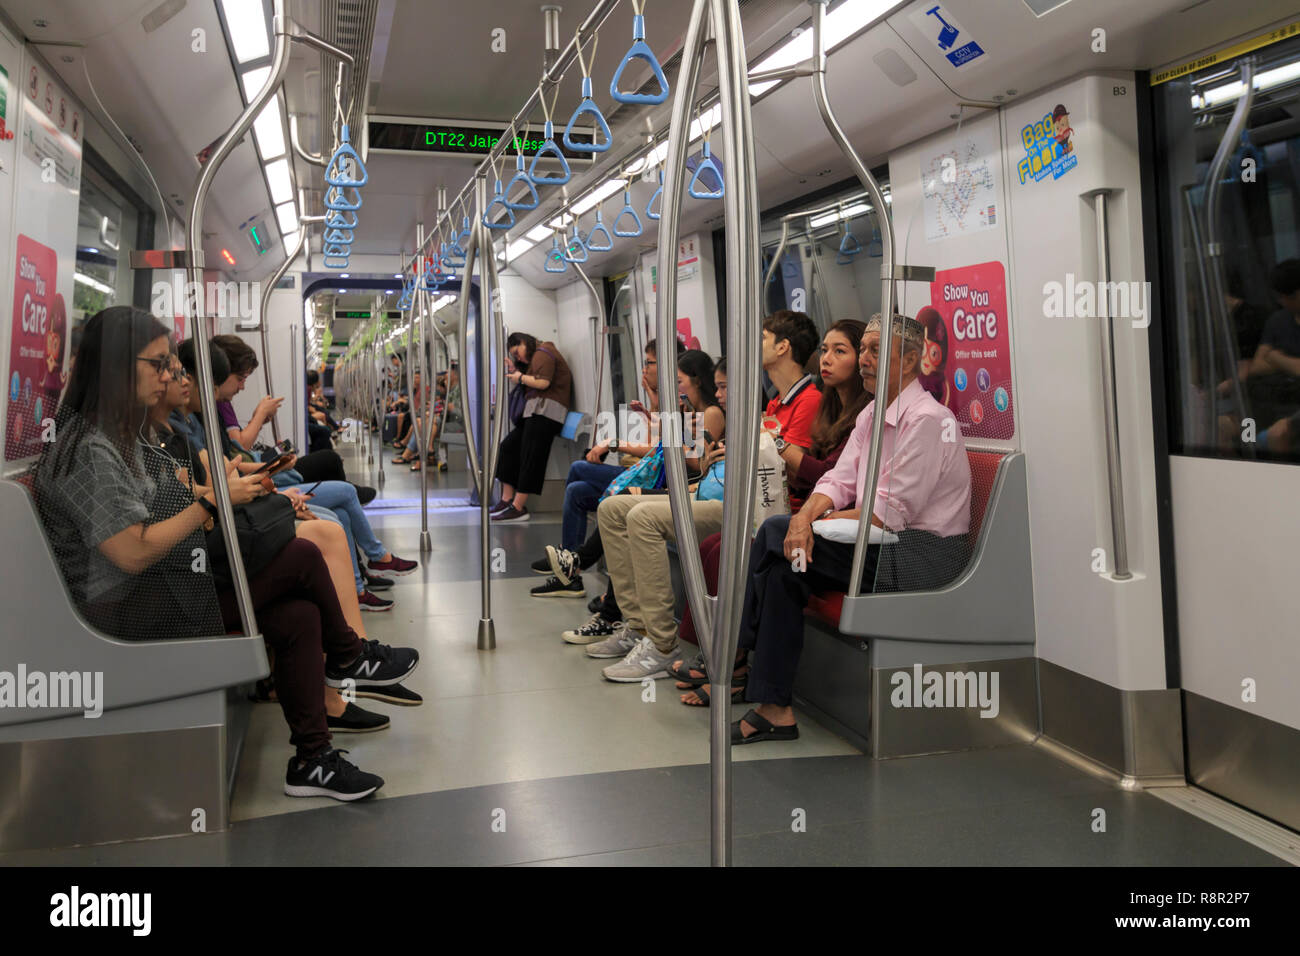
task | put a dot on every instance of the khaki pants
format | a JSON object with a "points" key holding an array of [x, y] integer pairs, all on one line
{"points": [[634, 530]]}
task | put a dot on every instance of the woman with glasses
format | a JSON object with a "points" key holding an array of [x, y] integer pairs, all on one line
{"points": [[125, 536]]}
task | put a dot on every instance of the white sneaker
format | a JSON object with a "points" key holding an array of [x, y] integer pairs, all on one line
{"points": [[641, 662], [616, 645]]}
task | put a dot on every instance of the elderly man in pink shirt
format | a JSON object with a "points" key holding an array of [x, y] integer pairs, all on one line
{"points": [[923, 497]]}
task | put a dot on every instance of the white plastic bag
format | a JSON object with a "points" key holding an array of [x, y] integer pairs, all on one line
{"points": [[772, 494]]}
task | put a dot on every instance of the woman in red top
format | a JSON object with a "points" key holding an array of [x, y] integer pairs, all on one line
{"points": [[843, 398]]}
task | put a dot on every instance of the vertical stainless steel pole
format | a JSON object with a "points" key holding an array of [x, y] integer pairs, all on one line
{"points": [[886, 296], [776, 261], [487, 634], [600, 336], [422, 305], [1110, 404], [1208, 383]]}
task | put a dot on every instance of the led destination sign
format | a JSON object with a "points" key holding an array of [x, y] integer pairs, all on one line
{"points": [[467, 138]]}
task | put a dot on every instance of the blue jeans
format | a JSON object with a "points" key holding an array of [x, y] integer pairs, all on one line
{"points": [[586, 483], [340, 498]]}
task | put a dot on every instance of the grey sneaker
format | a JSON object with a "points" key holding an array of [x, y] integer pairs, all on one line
{"points": [[592, 631], [564, 564], [641, 662], [617, 644]]}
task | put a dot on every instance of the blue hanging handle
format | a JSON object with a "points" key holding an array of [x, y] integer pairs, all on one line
{"points": [[408, 294], [334, 172], [499, 199], [448, 264], [340, 237], [453, 256], [576, 249], [521, 177], [627, 210], [556, 255], [458, 248], [639, 50], [849, 248], [550, 147], [335, 262], [588, 105], [658, 192], [707, 162], [874, 248], [335, 219], [599, 227], [336, 198]]}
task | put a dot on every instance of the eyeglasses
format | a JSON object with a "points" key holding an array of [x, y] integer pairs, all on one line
{"points": [[162, 364]]}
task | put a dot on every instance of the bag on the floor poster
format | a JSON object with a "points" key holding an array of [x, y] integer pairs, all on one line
{"points": [[647, 474], [772, 495]]}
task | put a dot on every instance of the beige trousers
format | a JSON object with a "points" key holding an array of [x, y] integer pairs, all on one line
{"points": [[634, 530]]}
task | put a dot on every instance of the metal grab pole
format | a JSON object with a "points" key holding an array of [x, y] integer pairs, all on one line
{"points": [[312, 158], [267, 289], [1218, 306], [867, 502], [203, 360], [377, 396], [1207, 351], [600, 337], [776, 261], [419, 313], [1110, 403]]}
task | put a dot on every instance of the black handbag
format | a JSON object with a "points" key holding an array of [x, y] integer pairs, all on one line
{"points": [[263, 526]]}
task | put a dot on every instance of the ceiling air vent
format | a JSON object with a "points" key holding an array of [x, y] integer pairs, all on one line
{"points": [[893, 66]]}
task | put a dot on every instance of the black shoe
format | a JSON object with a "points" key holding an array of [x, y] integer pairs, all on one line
{"points": [[541, 566], [378, 666], [563, 564], [553, 588], [365, 494], [328, 775], [596, 604], [392, 694], [511, 513], [376, 583], [354, 720]]}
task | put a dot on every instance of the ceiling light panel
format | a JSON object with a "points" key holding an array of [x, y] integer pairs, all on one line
{"points": [[249, 33]]}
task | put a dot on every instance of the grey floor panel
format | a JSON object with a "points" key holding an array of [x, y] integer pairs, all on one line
{"points": [[855, 815]]}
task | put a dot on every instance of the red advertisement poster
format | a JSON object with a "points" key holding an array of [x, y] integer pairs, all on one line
{"points": [[36, 352], [966, 362]]}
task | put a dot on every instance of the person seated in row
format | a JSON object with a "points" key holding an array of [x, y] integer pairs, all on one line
{"points": [[318, 525], [320, 428], [586, 482], [923, 497], [324, 465], [125, 536], [521, 463], [842, 399], [339, 497], [635, 527]]}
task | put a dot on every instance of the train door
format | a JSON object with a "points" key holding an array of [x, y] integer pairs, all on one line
{"points": [[1226, 157]]}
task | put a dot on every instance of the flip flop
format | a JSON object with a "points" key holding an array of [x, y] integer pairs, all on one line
{"points": [[684, 675], [764, 730]]}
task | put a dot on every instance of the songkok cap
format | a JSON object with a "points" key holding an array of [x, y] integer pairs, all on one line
{"points": [[911, 331]]}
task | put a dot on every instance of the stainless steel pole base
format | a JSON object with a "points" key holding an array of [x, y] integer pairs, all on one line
{"points": [[487, 634], [426, 542], [381, 474]]}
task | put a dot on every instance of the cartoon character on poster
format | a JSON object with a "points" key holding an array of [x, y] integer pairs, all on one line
{"points": [[934, 355], [55, 375], [1061, 128]]}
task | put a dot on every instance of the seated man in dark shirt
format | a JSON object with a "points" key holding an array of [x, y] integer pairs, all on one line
{"points": [[1273, 378]]}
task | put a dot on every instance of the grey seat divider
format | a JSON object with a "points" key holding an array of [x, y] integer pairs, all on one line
{"points": [[993, 600], [44, 632]]}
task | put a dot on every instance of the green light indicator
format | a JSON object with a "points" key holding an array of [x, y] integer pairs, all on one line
{"points": [[257, 240]]}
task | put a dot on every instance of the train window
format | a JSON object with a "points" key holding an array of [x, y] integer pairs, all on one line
{"points": [[1231, 247], [830, 266]]}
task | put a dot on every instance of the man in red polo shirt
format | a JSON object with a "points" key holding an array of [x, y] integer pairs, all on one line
{"points": [[789, 340]]}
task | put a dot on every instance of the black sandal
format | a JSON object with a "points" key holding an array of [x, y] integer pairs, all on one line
{"points": [[702, 692], [764, 730], [684, 674]]}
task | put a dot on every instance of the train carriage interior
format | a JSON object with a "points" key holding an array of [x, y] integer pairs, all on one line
{"points": [[414, 267]]}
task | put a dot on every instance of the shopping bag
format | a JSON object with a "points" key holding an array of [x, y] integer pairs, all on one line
{"points": [[772, 495]]}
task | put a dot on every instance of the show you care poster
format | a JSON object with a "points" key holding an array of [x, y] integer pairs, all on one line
{"points": [[36, 373], [966, 361]]}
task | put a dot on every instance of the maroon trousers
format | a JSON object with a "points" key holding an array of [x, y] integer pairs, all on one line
{"points": [[299, 614], [710, 551]]}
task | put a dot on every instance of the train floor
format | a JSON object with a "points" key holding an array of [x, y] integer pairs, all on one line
{"points": [[525, 755]]}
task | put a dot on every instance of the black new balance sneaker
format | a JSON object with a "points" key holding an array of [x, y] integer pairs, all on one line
{"points": [[354, 720], [392, 694], [541, 565], [553, 588], [329, 775], [375, 582], [377, 666]]}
